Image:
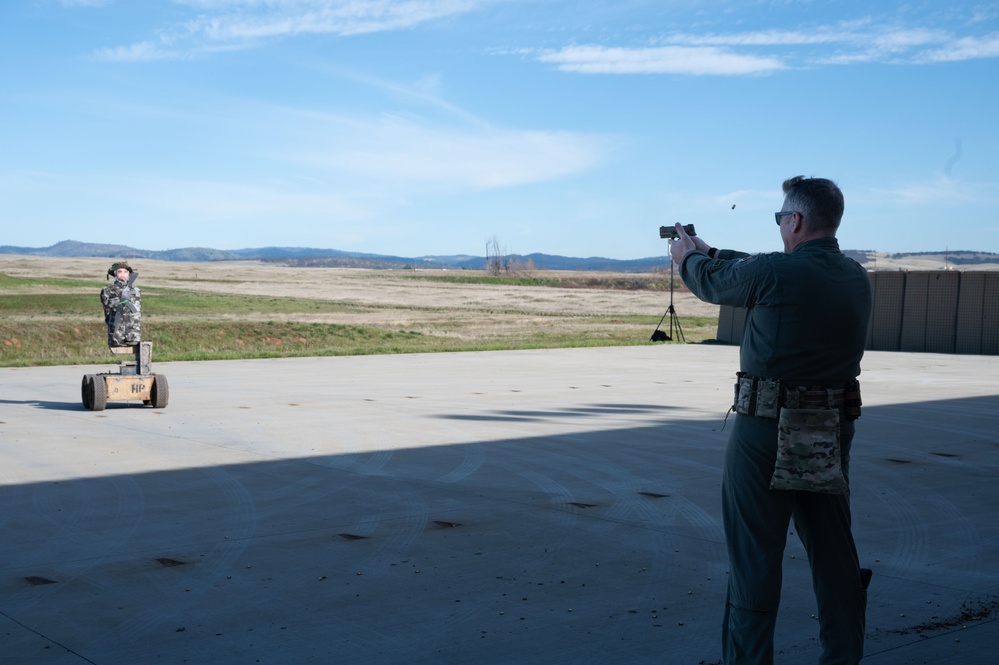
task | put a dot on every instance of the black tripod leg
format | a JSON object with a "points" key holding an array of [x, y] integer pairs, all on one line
{"points": [[674, 319], [659, 335]]}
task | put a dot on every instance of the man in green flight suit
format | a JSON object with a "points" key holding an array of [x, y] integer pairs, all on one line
{"points": [[796, 401]]}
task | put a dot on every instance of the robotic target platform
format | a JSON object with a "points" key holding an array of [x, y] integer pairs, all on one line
{"points": [[134, 379]]}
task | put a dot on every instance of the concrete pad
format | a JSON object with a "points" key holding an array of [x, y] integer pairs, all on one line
{"points": [[555, 506]]}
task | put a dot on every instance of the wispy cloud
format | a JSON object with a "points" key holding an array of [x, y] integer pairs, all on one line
{"points": [[659, 60], [255, 19], [236, 24], [769, 51], [425, 91], [941, 191], [308, 165], [317, 170], [967, 48], [137, 52], [405, 155], [224, 25], [85, 3]]}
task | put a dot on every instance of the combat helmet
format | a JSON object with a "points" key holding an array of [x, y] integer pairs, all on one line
{"points": [[118, 265]]}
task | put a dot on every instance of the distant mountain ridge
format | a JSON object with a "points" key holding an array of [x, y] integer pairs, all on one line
{"points": [[313, 257]]}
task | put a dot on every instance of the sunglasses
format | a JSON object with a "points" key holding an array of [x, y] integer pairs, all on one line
{"points": [[778, 215]]}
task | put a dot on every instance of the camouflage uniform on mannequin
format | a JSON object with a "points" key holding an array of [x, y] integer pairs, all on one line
{"points": [[121, 306]]}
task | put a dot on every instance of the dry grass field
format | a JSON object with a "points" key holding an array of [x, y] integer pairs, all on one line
{"points": [[50, 312], [436, 315], [401, 298]]}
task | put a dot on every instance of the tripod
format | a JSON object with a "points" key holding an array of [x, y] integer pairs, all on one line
{"points": [[660, 335]]}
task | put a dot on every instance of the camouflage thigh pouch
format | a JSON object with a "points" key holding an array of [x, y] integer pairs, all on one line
{"points": [[808, 452]]}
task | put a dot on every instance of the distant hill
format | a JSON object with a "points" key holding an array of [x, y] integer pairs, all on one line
{"points": [[313, 257], [332, 258], [72, 248]]}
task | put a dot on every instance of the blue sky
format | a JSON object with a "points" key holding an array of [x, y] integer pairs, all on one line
{"points": [[421, 127]]}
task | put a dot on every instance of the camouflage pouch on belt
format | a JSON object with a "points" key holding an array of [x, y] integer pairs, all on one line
{"points": [[757, 397], [808, 454]]}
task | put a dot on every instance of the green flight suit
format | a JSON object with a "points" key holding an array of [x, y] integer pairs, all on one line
{"points": [[807, 320]]}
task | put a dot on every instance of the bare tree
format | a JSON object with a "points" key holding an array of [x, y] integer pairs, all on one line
{"points": [[494, 256]]}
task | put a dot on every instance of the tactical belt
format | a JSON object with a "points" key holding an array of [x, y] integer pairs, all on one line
{"points": [[755, 396]]}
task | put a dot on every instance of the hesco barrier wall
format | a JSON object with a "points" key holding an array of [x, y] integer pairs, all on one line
{"points": [[933, 312]]}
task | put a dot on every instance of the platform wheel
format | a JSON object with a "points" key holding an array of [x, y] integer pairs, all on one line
{"points": [[160, 393], [87, 391], [100, 393]]}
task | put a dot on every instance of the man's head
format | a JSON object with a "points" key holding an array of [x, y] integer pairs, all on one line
{"points": [[120, 270], [813, 208]]}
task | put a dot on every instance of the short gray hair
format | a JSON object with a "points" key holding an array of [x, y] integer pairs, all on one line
{"points": [[819, 200]]}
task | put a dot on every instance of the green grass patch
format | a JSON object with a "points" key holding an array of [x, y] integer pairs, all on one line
{"points": [[33, 343], [47, 343]]}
